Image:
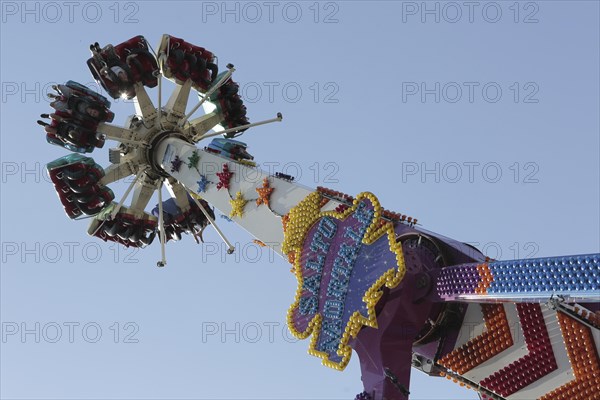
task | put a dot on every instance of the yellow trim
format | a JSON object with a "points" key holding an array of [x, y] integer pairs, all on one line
{"points": [[301, 218], [246, 162]]}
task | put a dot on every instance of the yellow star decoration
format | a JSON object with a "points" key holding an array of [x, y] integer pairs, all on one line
{"points": [[237, 205], [301, 218], [264, 193]]}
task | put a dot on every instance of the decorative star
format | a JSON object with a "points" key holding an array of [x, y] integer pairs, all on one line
{"points": [[264, 193], [224, 177], [176, 164], [193, 161], [202, 184], [237, 205]]}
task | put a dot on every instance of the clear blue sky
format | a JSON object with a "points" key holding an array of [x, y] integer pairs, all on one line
{"points": [[374, 95]]}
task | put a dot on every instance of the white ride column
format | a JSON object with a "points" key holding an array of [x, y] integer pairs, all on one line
{"points": [[262, 222]]}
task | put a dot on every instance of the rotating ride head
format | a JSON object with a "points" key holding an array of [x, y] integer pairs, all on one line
{"points": [[80, 122]]}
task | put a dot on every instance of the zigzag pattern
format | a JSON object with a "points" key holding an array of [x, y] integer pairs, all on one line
{"points": [[538, 363], [584, 361], [494, 340]]}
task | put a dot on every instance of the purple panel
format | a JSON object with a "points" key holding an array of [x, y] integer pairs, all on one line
{"points": [[388, 349], [458, 280], [337, 270]]}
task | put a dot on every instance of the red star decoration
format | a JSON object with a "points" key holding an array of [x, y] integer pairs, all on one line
{"points": [[224, 177], [264, 193]]}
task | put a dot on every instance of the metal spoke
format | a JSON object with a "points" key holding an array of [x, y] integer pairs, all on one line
{"points": [[178, 101], [116, 172], [114, 132], [210, 91], [161, 227], [230, 247], [237, 128], [118, 207], [142, 102], [179, 193], [199, 126]]}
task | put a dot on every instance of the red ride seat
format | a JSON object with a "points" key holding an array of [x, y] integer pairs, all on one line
{"points": [[78, 136], [77, 183], [81, 103], [127, 230], [176, 222], [231, 106], [78, 111], [187, 61], [117, 68]]}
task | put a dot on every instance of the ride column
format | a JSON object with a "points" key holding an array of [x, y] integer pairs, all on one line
{"points": [[249, 196]]}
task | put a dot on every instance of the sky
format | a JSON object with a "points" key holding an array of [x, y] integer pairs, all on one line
{"points": [[478, 118]]}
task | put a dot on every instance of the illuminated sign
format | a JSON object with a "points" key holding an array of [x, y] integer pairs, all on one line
{"points": [[341, 261]]}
